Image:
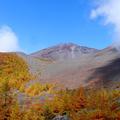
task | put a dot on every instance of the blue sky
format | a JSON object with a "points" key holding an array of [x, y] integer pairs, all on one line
{"points": [[42, 23]]}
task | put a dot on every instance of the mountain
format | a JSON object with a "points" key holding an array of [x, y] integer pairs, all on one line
{"points": [[64, 51], [70, 65]]}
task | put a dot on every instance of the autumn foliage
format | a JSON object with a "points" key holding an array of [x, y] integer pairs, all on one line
{"points": [[14, 70], [38, 89], [78, 104]]}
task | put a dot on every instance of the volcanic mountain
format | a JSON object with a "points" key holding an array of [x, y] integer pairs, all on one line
{"points": [[70, 65], [63, 52]]}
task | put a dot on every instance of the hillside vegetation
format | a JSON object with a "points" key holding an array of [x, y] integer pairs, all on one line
{"points": [[78, 104], [13, 70], [75, 105]]}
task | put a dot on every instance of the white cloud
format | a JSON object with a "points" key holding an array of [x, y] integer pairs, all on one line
{"points": [[110, 11], [8, 40]]}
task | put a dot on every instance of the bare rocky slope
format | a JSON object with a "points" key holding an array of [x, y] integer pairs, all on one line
{"points": [[70, 65], [63, 52]]}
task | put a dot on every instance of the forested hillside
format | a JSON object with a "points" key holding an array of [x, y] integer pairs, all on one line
{"points": [[13, 70]]}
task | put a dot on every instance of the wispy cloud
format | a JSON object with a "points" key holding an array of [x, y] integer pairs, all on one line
{"points": [[110, 11], [8, 40]]}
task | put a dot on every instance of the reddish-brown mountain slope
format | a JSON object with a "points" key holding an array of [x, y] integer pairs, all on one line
{"points": [[70, 67]]}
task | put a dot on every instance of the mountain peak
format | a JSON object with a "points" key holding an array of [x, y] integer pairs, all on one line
{"points": [[64, 51], [67, 44]]}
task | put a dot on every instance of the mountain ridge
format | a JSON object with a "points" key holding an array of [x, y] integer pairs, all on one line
{"points": [[63, 51]]}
